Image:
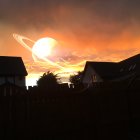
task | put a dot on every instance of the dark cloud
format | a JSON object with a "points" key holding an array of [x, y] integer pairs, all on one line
{"points": [[69, 13], [33, 12]]}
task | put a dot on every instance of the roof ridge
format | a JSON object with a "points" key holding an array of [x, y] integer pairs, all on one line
{"points": [[100, 62], [12, 56], [134, 56]]}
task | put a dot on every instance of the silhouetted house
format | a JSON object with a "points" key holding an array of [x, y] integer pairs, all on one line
{"points": [[10, 89], [111, 71], [12, 70], [98, 72], [129, 67]]}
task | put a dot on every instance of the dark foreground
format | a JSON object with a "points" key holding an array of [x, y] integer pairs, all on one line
{"points": [[69, 114]]}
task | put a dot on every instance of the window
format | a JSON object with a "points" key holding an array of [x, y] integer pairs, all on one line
{"points": [[131, 67], [134, 66], [94, 77]]}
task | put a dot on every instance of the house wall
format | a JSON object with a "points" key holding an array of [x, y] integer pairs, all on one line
{"points": [[91, 76], [17, 80], [2, 80], [20, 81]]}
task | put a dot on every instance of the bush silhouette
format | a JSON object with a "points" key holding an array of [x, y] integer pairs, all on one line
{"points": [[76, 79], [48, 79]]}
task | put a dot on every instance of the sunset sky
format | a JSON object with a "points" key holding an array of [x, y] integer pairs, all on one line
{"points": [[95, 30]]}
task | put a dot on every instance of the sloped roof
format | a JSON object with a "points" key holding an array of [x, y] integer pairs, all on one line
{"points": [[130, 64], [131, 59], [12, 66], [107, 70], [111, 70]]}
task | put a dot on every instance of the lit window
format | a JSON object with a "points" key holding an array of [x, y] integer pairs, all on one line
{"points": [[94, 77]]}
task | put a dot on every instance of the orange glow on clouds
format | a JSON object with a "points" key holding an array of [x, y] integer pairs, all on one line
{"points": [[73, 58]]}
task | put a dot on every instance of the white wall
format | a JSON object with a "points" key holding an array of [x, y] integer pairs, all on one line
{"points": [[17, 80], [20, 81], [2, 80], [88, 77]]}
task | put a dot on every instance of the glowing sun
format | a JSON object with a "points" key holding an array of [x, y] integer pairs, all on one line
{"points": [[43, 47]]}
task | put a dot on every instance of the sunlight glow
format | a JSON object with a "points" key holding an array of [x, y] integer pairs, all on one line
{"points": [[31, 79]]}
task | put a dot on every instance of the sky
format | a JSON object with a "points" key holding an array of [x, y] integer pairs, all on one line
{"points": [[95, 30]]}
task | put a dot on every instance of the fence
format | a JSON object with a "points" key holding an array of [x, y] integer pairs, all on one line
{"points": [[68, 114]]}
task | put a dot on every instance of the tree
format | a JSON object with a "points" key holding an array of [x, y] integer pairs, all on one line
{"points": [[48, 79], [76, 78]]}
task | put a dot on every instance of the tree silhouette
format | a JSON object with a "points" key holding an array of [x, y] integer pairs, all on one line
{"points": [[48, 79], [76, 78]]}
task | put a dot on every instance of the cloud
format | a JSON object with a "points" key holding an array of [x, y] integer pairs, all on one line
{"points": [[79, 24], [70, 13]]}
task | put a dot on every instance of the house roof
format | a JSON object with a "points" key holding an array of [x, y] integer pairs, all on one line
{"points": [[130, 64], [107, 70], [131, 59], [111, 70], [12, 66]]}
